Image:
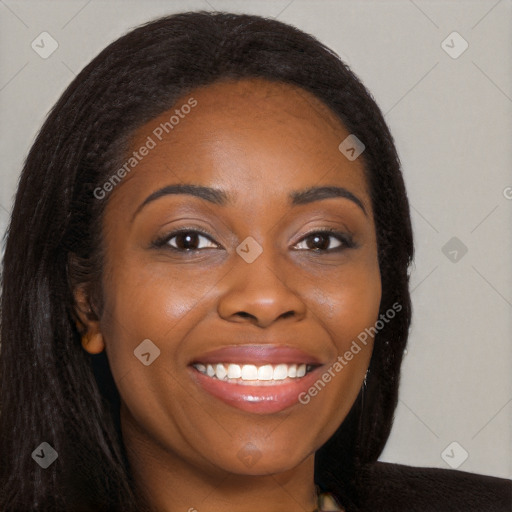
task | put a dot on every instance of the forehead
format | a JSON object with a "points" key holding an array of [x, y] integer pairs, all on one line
{"points": [[249, 135]]}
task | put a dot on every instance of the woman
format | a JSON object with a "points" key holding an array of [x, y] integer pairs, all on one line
{"points": [[205, 295]]}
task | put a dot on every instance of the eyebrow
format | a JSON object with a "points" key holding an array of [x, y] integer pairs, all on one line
{"points": [[312, 194], [221, 198]]}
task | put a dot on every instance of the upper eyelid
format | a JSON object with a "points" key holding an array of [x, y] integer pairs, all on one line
{"points": [[328, 230]]}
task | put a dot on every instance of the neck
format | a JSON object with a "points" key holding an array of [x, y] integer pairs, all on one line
{"points": [[168, 482]]}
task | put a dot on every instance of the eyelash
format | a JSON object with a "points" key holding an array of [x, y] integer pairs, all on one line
{"points": [[345, 239]]}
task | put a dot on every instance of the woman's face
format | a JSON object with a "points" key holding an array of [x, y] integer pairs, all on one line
{"points": [[250, 273]]}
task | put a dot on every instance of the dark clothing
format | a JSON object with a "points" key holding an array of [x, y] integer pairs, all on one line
{"points": [[398, 488]]}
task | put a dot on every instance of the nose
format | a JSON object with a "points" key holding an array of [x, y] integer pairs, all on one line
{"points": [[259, 293]]}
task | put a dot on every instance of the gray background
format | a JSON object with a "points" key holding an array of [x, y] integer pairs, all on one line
{"points": [[451, 118]]}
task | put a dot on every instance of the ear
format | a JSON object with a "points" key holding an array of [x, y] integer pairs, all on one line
{"points": [[88, 323]]}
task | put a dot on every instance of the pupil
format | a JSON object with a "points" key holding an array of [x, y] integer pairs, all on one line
{"points": [[189, 240], [319, 242]]}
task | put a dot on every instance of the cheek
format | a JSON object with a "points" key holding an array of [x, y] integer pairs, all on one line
{"points": [[348, 300], [143, 302], [164, 309], [330, 398], [347, 305], [151, 297]]}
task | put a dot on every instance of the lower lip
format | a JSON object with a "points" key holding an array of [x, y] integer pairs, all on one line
{"points": [[257, 399]]}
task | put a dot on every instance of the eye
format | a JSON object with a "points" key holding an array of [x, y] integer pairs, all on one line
{"points": [[322, 241], [186, 240]]}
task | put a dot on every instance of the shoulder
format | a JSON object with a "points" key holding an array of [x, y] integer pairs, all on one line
{"points": [[395, 487]]}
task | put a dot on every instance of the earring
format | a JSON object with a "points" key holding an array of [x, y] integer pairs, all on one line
{"points": [[363, 392]]}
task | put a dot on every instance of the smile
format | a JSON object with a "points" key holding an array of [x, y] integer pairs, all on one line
{"points": [[250, 374], [261, 379]]}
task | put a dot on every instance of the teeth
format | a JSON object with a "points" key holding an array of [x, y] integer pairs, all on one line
{"points": [[280, 372], [234, 371], [266, 372], [250, 372], [220, 371]]}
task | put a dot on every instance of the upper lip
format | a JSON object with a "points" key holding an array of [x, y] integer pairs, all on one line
{"points": [[257, 355]]}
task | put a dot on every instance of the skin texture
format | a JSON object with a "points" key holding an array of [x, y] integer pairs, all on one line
{"points": [[258, 141]]}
